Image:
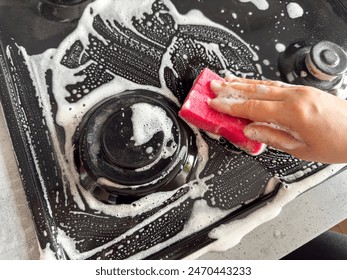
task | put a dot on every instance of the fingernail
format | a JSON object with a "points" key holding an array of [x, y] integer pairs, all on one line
{"points": [[220, 105], [214, 102], [216, 84], [226, 90], [252, 133]]}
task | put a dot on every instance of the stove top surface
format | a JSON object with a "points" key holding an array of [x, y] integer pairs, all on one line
{"points": [[109, 169]]}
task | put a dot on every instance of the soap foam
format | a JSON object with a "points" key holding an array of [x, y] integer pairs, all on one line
{"points": [[280, 47], [294, 10], [268, 212], [260, 4], [147, 121], [70, 114]]}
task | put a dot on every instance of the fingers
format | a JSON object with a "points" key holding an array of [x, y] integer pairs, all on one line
{"points": [[255, 110], [231, 78], [224, 89], [274, 137], [250, 91]]}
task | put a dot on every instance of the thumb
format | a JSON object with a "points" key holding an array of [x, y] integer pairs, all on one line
{"points": [[273, 136]]}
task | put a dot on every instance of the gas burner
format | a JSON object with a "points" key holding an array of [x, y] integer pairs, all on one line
{"points": [[62, 10], [115, 166], [321, 65], [140, 197]]}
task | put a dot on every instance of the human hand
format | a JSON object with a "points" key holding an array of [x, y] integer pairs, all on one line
{"points": [[303, 121]]}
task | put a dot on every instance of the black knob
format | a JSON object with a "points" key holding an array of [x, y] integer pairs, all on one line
{"points": [[326, 61], [321, 65]]}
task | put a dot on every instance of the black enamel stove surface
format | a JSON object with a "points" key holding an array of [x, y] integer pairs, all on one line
{"points": [[40, 27]]}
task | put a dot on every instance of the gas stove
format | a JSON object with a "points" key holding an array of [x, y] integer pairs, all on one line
{"points": [[109, 169]]}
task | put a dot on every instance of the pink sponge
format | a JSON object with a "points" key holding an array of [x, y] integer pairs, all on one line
{"points": [[196, 111]]}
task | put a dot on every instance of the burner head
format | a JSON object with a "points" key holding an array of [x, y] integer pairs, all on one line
{"points": [[134, 144], [120, 150]]}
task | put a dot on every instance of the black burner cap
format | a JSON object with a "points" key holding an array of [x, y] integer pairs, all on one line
{"points": [[120, 150], [111, 157]]}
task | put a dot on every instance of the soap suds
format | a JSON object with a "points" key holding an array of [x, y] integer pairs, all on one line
{"points": [[76, 91], [264, 214], [294, 10], [147, 121], [74, 104], [280, 47], [266, 62], [260, 4]]}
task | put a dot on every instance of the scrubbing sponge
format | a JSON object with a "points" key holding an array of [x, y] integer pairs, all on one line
{"points": [[197, 112]]}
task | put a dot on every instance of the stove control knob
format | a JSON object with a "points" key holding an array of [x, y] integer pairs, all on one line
{"points": [[322, 65], [326, 61]]}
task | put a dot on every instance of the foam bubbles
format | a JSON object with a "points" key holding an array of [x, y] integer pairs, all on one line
{"points": [[98, 61], [148, 120], [260, 4], [294, 10], [280, 47]]}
